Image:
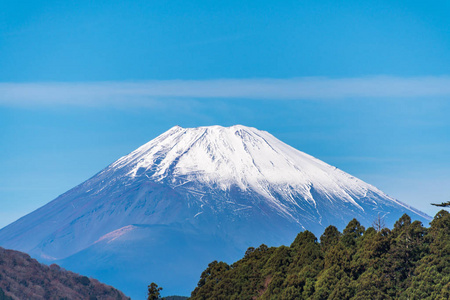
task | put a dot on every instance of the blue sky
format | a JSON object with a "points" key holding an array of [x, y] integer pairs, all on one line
{"points": [[363, 86]]}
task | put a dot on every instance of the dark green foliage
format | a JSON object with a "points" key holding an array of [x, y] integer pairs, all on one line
{"points": [[154, 291], [409, 262], [330, 237], [351, 233]]}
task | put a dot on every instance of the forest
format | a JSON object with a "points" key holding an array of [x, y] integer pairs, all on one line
{"points": [[409, 261], [22, 277]]}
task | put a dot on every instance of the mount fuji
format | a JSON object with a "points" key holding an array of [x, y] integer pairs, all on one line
{"points": [[191, 196]]}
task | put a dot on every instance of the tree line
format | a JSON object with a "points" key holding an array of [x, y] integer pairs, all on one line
{"points": [[409, 261]]}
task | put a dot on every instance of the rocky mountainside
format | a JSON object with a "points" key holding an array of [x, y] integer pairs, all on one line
{"points": [[22, 277], [192, 195]]}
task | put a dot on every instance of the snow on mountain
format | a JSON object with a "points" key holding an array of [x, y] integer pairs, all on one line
{"points": [[211, 191]]}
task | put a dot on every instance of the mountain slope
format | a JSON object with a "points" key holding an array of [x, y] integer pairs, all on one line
{"points": [[22, 277], [211, 191]]}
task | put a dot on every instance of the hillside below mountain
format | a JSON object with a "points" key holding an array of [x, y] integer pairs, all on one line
{"points": [[22, 277]]}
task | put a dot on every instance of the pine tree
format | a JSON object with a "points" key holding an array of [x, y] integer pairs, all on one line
{"points": [[330, 237], [154, 291]]}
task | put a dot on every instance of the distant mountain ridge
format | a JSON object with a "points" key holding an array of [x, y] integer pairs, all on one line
{"points": [[210, 191]]}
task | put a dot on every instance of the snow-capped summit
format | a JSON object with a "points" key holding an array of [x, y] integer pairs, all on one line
{"points": [[238, 156], [211, 191], [226, 156]]}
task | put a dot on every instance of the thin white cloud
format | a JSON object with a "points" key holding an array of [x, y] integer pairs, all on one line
{"points": [[141, 92]]}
